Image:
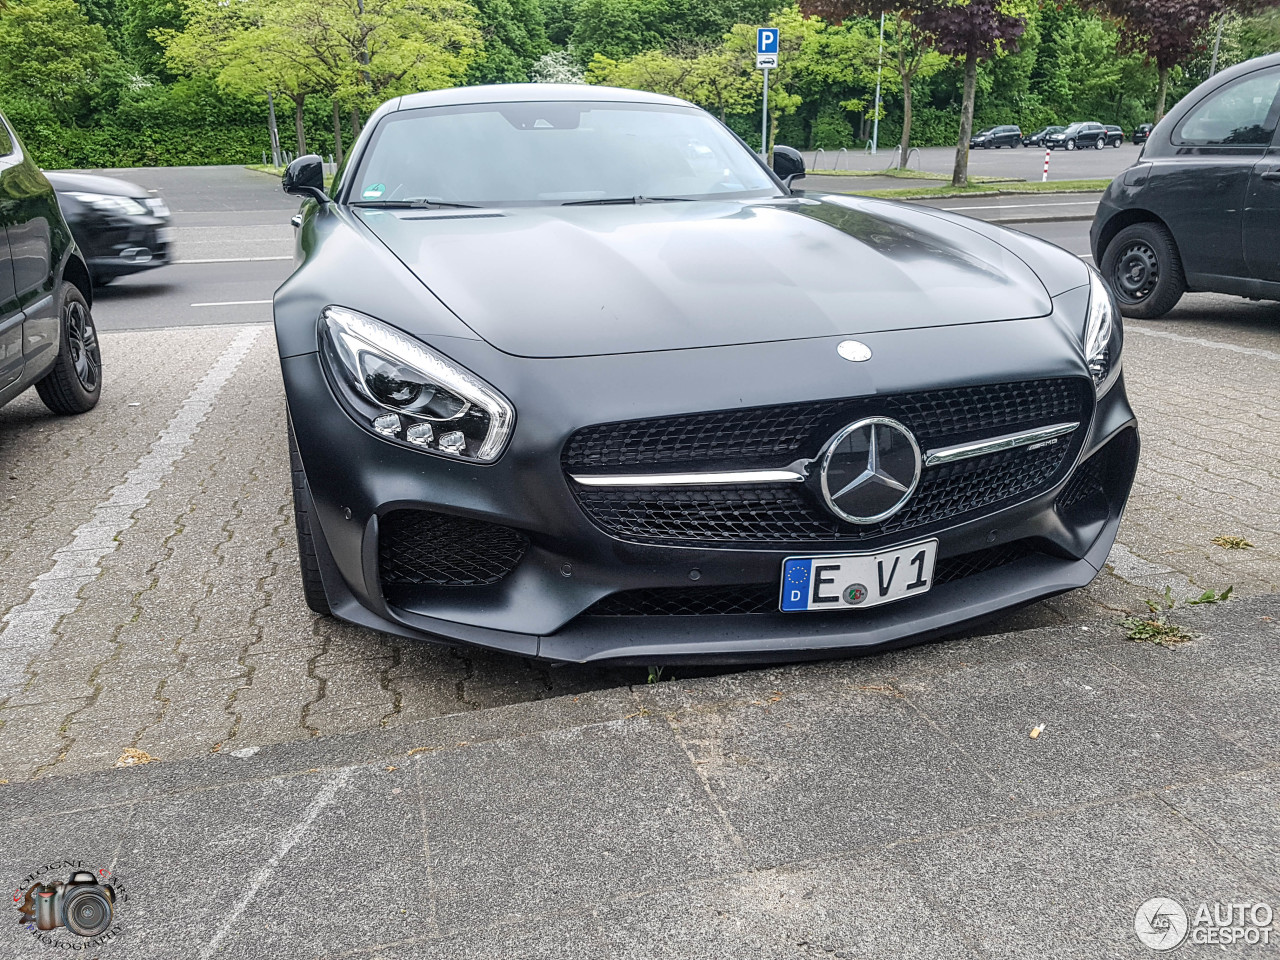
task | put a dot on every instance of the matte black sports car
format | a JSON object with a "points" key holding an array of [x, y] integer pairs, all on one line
{"points": [[571, 373], [121, 227]]}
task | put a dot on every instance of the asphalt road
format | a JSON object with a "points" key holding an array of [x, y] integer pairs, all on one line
{"points": [[233, 243], [1023, 163]]}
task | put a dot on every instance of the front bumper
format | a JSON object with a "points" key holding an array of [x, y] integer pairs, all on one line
{"points": [[541, 608], [115, 246]]}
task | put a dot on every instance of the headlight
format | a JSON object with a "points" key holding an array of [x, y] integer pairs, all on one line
{"points": [[157, 206], [110, 203], [409, 393], [1101, 334]]}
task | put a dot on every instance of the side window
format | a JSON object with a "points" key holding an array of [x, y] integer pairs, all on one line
{"points": [[6, 141], [1239, 114]]}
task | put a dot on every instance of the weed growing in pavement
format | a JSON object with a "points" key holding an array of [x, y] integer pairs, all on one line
{"points": [[1210, 596], [655, 674], [1157, 629], [1231, 543]]}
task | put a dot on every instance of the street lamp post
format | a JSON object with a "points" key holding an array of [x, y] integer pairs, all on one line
{"points": [[875, 125]]}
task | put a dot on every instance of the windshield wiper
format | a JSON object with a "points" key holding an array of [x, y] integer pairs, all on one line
{"points": [[412, 204], [609, 200]]}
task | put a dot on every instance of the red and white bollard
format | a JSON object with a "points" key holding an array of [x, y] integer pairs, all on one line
{"points": [[1045, 176]]}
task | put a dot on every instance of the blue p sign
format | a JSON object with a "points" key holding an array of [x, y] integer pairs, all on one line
{"points": [[766, 40]]}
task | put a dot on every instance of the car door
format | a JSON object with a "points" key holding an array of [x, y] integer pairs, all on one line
{"points": [[10, 314], [35, 228], [1262, 212], [1203, 186]]}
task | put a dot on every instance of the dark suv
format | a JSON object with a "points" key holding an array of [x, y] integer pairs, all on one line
{"points": [[1006, 136], [1200, 210], [47, 336], [1078, 136]]}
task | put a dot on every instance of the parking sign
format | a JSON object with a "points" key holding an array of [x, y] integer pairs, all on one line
{"points": [[767, 40]]}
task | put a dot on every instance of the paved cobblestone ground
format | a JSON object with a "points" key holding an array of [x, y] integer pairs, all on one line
{"points": [[193, 636]]}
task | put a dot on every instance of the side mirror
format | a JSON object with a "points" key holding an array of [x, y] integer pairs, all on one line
{"points": [[305, 178], [788, 164]]}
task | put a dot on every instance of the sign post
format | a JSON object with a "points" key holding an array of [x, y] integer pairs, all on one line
{"points": [[766, 59]]}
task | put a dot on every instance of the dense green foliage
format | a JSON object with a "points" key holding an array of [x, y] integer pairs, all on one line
{"points": [[132, 82]]}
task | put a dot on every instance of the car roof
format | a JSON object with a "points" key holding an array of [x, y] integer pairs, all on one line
{"points": [[531, 93]]}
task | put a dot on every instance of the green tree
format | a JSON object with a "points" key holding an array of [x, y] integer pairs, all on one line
{"points": [[53, 55], [139, 19], [513, 37]]}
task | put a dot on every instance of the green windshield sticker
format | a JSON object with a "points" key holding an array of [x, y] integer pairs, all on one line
{"points": [[373, 191]]}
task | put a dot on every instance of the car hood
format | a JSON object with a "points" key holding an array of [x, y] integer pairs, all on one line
{"points": [[582, 281], [90, 183]]}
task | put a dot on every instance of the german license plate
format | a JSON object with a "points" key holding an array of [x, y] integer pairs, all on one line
{"points": [[857, 580]]}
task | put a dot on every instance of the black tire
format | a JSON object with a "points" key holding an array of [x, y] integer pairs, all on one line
{"points": [[308, 559], [74, 385], [1101, 144], [1142, 267], [1071, 144]]}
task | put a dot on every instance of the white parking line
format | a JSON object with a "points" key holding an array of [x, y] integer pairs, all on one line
{"points": [[1131, 327], [230, 303], [233, 260], [27, 630], [1026, 206]]}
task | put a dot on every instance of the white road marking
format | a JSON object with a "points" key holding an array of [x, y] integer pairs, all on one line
{"points": [[1026, 206], [287, 842], [27, 630], [232, 260], [1131, 327], [230, 303]]}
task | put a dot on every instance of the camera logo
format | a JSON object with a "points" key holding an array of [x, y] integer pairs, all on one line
{"points": [[85, 904], [1161, 923]]}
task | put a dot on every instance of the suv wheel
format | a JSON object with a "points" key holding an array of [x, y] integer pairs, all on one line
{"points": [[1143, 268], [1102, 142], [75, 382], [1071, 144], [308, 560]]}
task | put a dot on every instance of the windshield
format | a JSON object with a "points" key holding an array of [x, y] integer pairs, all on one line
{"points": [[983, 133], [555, 152]]}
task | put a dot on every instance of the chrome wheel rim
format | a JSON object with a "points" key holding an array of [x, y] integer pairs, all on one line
{"points": [[1137, 272], [82, 339]]}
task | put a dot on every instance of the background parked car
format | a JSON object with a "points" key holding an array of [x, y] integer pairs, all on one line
{"points": [[1005, 136], [1115, 136], [119, 226], [1037, 139], [47, 336], [1078, 136], [1141, 132], [1201, 210]]}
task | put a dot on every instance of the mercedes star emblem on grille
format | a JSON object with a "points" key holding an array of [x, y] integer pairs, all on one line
{"points": [[870, 469]]}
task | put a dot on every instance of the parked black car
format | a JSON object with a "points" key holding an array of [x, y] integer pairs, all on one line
{"points": [[1201, 209], [632, 397], [120, 227], [1078, 136], [47, 336], [1141, 132], [1037, 139], [1115, 135], [1006, 136]]}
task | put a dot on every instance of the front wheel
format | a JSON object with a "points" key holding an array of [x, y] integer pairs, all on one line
{"points": [[1144, 271], [75, 382], [1071, 144]]}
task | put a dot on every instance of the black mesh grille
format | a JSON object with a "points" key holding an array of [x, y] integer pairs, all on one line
{"points": [[763, 597], [425, 548], [788, 513], [759, 436], [1086, 482]]}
